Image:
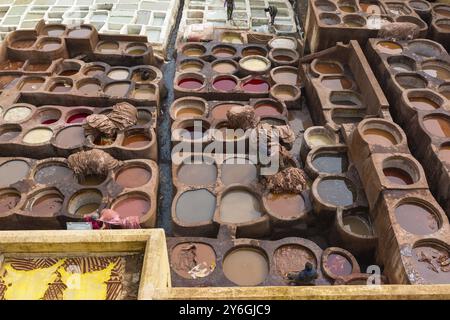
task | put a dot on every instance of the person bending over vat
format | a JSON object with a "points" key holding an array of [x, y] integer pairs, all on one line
{"points": [[272, 10], [230, 7], [306, 277]]}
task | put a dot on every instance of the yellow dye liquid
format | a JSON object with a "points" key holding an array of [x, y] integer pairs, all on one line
{"points": [[29, 285]]}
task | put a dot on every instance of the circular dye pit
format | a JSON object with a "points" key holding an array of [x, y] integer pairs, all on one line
{"points": [[337, 192], [9, 200], [223, 52], [193, 260], [190, 111], [389, 47], [267, 109], [7, 81], [85, 202], [50, 174], [53, 31], [119, 74], [253, 51], [47, 204], [341, 83], [191, 66], [285, 92], [195, 206], [357, 225], [292, 258], [13, 171], [437, 126], [7, 134], [90, 87], [37, 136], [416, 218], [70, 137], [219, 112], [397, 176], [328, 68], [94, 71], [239, 206], [317, 140], [143, 92], [135, 140], [49, 116], [238, 170], [285, 205], [254, 63], [246, 267], [424, 48], [117, 89], [195, 131], [23, 43], [423, 104], [407, 81], [224, 67], [431, 263], [329, 19], [285, 75], [347, 8], [193, 51], [17, 114], [256, 85], [49, 45], [437, 72], [108, 47], [132, 205], [444, 154], [91, 180], [329, 162], [379, 137], [190, 83], [197, 174], [224, 84], [80, 32], [339, 265], [77, 117], [133, 176], [136, 50], [70, 71], [282, 43], [60, 86]]}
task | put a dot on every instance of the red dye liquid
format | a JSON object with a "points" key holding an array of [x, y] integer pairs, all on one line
{"points": [[256, 85], [49, 121], [225, 84], [190, 83], [77, 118]]}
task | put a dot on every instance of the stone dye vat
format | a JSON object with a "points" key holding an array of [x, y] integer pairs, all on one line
{"points": [[56, 130], [340, 86], [440, 24], [419, 103], [117, 267], [152, 19], [221, 71], [244, 262], [411, 226], [45, 194], [331, 21], [248, 15]]}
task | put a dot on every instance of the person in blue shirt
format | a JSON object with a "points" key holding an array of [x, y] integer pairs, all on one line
{"points": [[306, 277]]}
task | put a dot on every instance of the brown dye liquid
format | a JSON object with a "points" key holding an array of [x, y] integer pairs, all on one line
{"points": [[253, 52], [337, 84], [443, 12], [347, 9], [285, 77], [191, 133], [397, 176], [437, 126], [135, 141], [61, 87], [220, 111], [47, 205], [37, 67], [423, 103], [52, 173], [437, 72], [87, 208], [197, 174], [11, 65], [143, 94], [266, 109], [328, 68], [339, 265], [68, 72], [31, 84], [238, 173], [285, 205], [196, 206], [246, 267], [223, 53], [193, 52], [416, 219], [189, 112], [133, 177], [444, 154], [283, 58], [13, 171], [224, 67], [117, 89], [90, 88], [444, 26], [292, 258], [8, 201], [22, 44], [80, 33], [432, 264], [92, 180], [337, 192], [94, 71], [49, 45], [191, 67], [70, 137], [132, 206], [389, 47], [185, 257], [6, 81], [379, 137], [239, 206], [6, 136], [357, 225]]}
